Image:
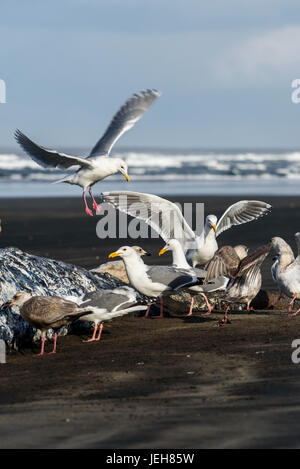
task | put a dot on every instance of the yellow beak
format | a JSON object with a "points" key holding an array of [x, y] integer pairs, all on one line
{"points": [[215, 228], [113, 254], [127, 177], [162, 251]]}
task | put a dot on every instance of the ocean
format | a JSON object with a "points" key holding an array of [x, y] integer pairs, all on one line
{"points": [[166, 172]]}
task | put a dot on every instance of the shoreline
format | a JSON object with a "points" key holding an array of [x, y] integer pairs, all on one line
{"points": [[172, 383]]}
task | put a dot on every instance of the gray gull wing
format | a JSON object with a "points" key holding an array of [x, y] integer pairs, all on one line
{"points": [[242, 212], [49, 158], [124, 120], [160, 214]]}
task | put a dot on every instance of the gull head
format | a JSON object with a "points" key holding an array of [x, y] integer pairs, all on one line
{"points": [[170, 246], [122, 167], [140, 251], [279, 245], [241, 250], [211, 222], [18, 299], [124, 251]]}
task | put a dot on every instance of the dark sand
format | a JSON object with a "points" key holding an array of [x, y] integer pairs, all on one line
{"points": [[171, 383]]}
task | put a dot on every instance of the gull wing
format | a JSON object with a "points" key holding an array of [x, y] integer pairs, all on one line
{"points": [[253, 260], [124, 119], [49, 158], [224, 263], [160, 214], [242, 212], [173, 278]]}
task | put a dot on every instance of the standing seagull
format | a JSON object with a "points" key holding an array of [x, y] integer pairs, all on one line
{"points": [[47, 312], [109, 304], [117, 268], [286, 269], [95, 167], [245, 280], [167, 220], [154, 281], [180, 261]]}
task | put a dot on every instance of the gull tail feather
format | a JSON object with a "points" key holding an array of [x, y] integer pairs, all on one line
{"points": [[66, 179]]}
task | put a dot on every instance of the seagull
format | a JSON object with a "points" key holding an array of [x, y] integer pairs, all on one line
{"points": [[154, 281], [96, 166], [179, 261], [225, 261], [167, 220], [286, 269], [117, 268], [245, 279], [109, 304], [47, 312]]}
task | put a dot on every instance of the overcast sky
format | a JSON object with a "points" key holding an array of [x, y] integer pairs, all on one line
{"points": [[224, 67]]}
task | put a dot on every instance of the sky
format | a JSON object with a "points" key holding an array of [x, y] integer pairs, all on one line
{"points": [[224, 68]]}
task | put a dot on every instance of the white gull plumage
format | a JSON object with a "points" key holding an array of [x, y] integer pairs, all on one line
{"points": [[179, 261], [286, 269], [105, 305], [95, 167], [166, 219], [154, 281]]}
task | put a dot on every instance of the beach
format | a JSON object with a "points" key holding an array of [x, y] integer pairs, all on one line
{"points": [[177, 382]]}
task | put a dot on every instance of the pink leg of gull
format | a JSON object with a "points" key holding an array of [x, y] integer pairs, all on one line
{"points": [[207, 304], [295, 313], [94, 334], [161, 310], [88, 211], [147, 312], [291, 304], [225, 320], [42, 346], [96, 207], [249, 308], [54, 346], [274, 302], [191, 307], [100, 332]]}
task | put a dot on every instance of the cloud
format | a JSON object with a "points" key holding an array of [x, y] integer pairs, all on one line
{"points": [[266, 57]]}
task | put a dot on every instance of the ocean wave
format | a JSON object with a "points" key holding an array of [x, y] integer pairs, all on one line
{"points": [[171, 166]]}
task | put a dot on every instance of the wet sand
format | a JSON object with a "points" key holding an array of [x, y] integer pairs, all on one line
{"points": [[171, 383]]}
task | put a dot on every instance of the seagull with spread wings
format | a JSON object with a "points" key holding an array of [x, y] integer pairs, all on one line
{"points": [[166, 219], [96, 166]]}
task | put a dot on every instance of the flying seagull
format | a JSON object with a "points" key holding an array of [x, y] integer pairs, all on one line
{"points": [[167, 220], [96, 166]]}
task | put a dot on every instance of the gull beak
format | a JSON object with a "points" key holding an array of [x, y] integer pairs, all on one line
{"points": [[6, 305], [147, 254], [214, 228], [113, 254], [162, 251], [126, 177]]}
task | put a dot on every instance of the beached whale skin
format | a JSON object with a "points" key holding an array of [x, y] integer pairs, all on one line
{"points": [[25, 272]]}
